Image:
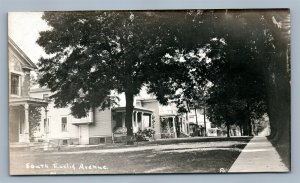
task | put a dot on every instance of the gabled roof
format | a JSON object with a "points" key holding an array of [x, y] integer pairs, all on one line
{"points": [[25, 58]]}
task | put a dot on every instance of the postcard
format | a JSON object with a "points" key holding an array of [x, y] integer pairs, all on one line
{"points": [[149, 91]]}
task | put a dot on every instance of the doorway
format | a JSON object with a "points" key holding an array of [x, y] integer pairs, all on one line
{"points": [[84, 134]]}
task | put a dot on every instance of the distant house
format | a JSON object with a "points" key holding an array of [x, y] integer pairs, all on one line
{"points": [[102, 126], [19, 100], [57, 125], [198, 120], [61, 127], [170, 123]]}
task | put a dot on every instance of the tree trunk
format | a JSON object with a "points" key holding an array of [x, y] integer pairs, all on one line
{"points": [[128, 117], [196, 116], [242, 130], [204, 114], [228, 129], [250, 128]]}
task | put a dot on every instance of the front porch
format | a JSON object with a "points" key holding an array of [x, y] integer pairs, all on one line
{"points": [[19, 119], [141, 119], [172, 126]]}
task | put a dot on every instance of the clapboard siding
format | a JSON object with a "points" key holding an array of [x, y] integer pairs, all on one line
{"points": [[54, 115], [154, 105], [102, 124]]}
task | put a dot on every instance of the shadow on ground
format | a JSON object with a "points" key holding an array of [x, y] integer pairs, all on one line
{"points": [[202, 156]]}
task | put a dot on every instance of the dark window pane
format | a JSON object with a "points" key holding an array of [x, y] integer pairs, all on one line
{"points": [[15, 84], [64, 124]]}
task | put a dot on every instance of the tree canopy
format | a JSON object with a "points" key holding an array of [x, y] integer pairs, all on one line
{"points": [[245, 67], [94, 53], [234, 61]]}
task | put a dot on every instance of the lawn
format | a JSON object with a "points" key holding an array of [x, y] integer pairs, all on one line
{"points": [[176, 157]]}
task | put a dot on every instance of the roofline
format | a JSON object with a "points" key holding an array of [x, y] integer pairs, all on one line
{"points": [[135, 108], [21, 53], [37, 90], [168, 115], [28, 100], [146, 99]]}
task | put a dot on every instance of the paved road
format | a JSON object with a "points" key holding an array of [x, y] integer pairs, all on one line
{"points": [[258, 156]]}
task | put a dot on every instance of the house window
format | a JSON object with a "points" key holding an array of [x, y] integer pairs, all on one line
{"points": [[64, 124], [15, 84]]}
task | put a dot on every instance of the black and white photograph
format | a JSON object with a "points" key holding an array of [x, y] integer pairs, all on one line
{"points": [[149, 91]]}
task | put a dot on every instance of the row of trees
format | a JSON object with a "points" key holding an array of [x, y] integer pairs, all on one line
{"points": [[234, 62]]}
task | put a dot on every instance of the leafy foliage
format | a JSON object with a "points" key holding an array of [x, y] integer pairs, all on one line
{"points": [[94, 53], [34, 119], [246, 52], [144, 135], [236, 63]]}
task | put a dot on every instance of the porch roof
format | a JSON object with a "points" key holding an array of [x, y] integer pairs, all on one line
{"points": [[168, 115], [27, 100], [139, 109]]}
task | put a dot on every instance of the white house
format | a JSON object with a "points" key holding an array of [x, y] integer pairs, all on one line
{"points": [[59, 126], [20, 102]]}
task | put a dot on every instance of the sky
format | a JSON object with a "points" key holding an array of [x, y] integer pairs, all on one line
{"points": [[23, 29]]}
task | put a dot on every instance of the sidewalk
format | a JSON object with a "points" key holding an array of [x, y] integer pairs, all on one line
{"points": [[258, 156]]}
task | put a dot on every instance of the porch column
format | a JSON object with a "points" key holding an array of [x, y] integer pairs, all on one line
{"points": [[180, 123], [174, 127], [150, 120], [123, 119], [142, 119], [161, 119], [136, 119], [47, 125], [132, 121], [26, 124]]}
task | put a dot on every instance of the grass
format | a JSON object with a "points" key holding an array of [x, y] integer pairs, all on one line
{"points": [[283, 147], [194, 156]]}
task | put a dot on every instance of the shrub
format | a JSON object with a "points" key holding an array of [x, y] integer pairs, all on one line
{"points": [[145, 135], [120, 130]]}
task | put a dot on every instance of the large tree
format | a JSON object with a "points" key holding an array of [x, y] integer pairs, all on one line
{"points": [[244, 55], [259, 64], [246, 58], [91, 54]]}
